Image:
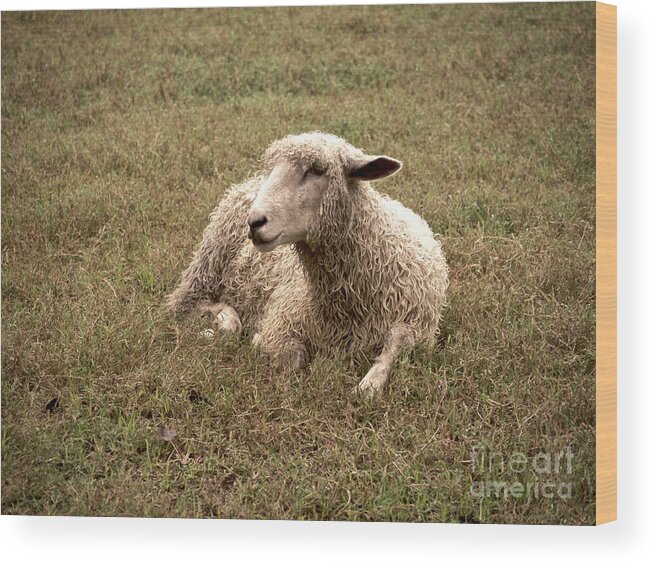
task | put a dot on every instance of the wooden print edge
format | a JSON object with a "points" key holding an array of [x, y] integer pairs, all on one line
{"points": [[606, 263]]}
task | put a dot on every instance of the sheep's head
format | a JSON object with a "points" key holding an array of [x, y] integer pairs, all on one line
{"points": [[305, 173]]}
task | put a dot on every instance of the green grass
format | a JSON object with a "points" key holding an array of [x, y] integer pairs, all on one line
{"points": [[120, 131]]}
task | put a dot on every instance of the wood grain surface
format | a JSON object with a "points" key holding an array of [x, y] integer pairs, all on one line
{"points": [[606, 255]]}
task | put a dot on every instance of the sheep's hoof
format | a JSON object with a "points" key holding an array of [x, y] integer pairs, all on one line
{"points": [[366, 391], [300, 358], [228, 321], [373, 382], [224, 317]]}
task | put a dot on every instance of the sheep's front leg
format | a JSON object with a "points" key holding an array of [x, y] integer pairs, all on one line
{"points": [[399, 339]]}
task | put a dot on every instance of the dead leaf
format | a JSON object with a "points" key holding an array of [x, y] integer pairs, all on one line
{"points": [[165, 433]]}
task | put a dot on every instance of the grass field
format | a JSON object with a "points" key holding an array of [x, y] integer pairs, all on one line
{"points": [[121, 130]]}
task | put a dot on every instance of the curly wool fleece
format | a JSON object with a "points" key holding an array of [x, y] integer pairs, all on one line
{"points": [[368, 265]]}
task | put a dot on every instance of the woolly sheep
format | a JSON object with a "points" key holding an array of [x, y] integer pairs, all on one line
{"points": [[331, 265]]}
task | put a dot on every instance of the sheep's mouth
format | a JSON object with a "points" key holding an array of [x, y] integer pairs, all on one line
{"points": [[266, 244]]}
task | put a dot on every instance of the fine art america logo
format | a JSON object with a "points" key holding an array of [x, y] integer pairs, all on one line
{"points": [[543, 475]]}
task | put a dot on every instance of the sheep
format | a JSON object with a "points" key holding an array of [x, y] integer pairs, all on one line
{"points": [[311, 260]]}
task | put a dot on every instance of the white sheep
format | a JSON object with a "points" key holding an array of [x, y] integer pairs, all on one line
{"points": [[333, 266]]}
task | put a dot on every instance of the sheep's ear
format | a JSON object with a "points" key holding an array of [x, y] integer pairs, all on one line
{"points": [[374, 168]]}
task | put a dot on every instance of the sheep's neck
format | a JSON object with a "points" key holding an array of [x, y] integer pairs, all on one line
{"points": [[345, 270]]}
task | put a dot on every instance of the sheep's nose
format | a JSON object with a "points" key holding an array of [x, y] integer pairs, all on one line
{"points": [[255, 224]]}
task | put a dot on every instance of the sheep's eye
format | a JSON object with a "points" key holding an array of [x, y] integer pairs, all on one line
{"points": [[316, 170]]}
